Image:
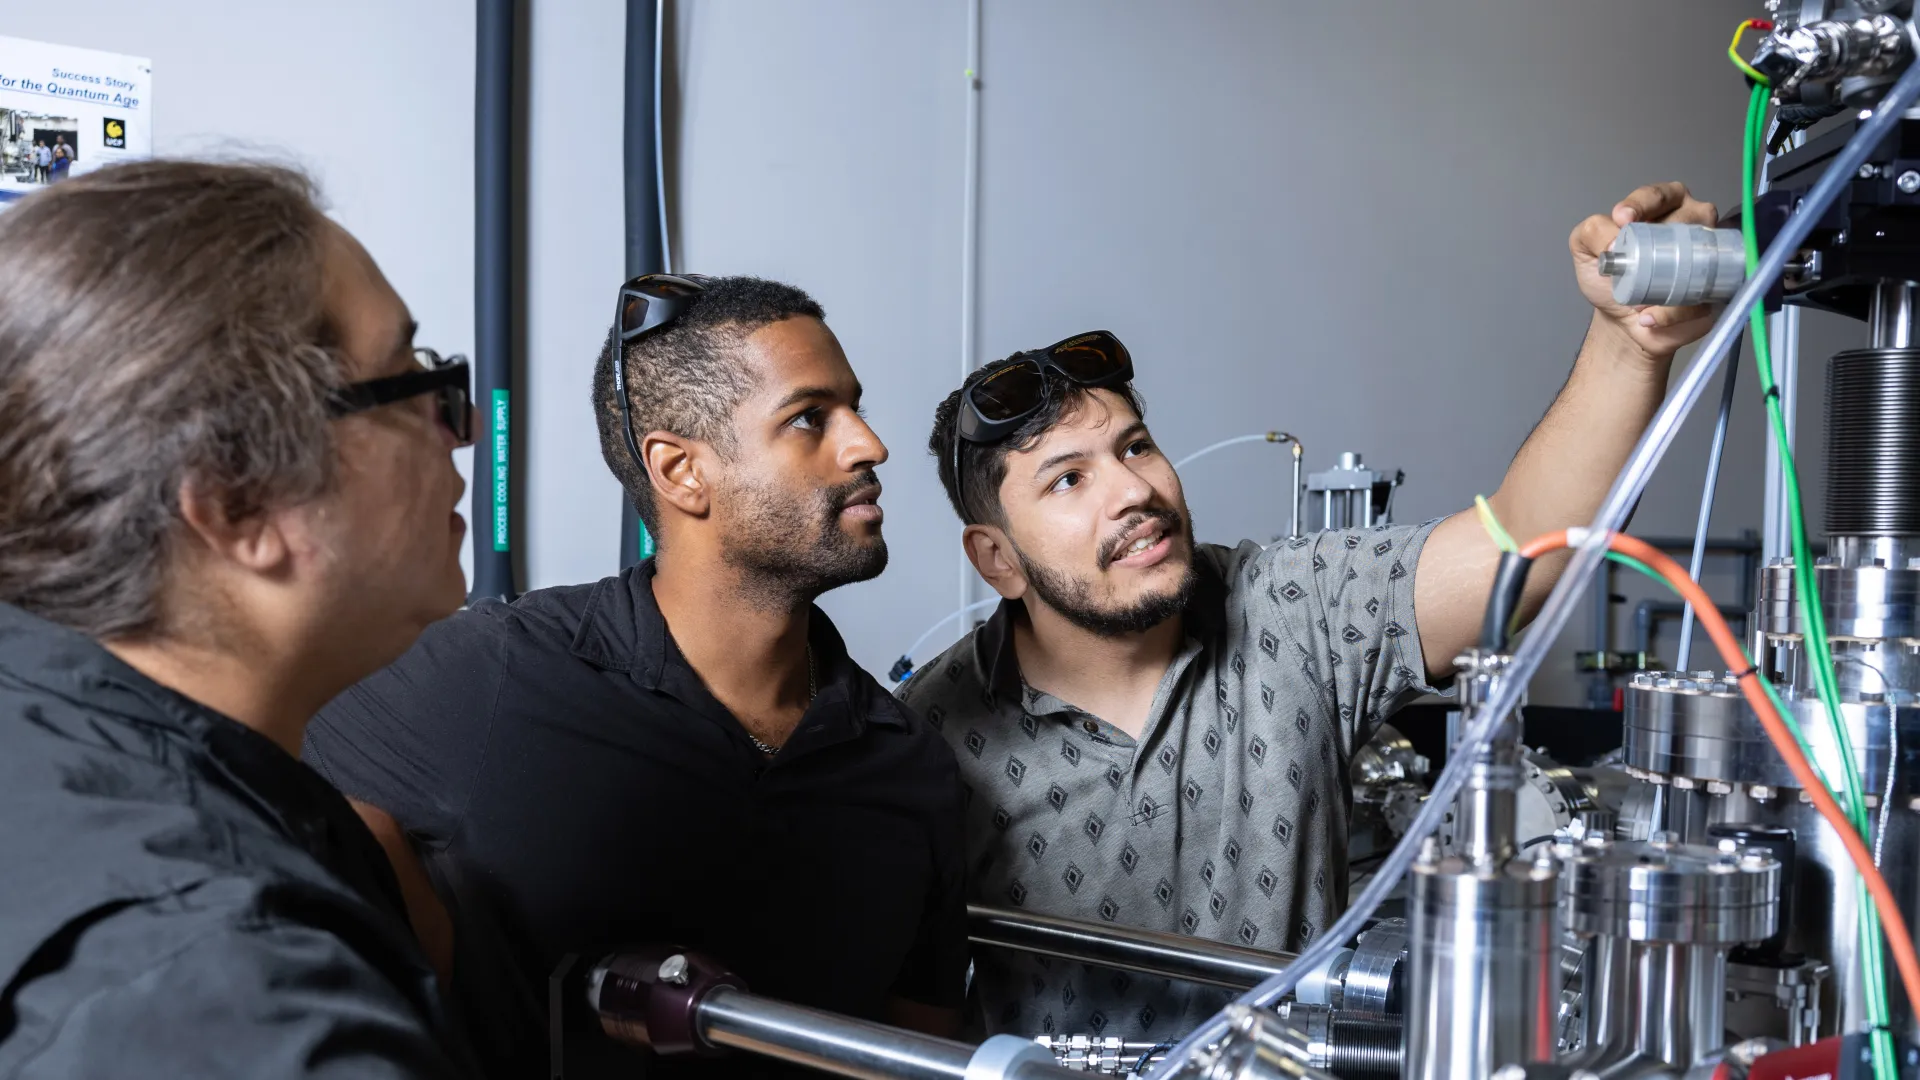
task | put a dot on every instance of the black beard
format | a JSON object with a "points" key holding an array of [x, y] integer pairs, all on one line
{"points": [[1072, 596], [768, 540]]}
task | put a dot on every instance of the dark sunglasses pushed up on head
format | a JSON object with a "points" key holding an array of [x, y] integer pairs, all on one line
{"points": [[646, 303], [449, 380], [997, 405]]}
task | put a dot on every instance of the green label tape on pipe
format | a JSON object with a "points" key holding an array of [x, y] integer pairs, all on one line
{"points": [[500, 413]]}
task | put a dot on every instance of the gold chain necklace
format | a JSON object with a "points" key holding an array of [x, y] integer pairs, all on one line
{"points": [[813, 691]]}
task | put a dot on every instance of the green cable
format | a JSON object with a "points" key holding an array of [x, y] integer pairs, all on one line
{"points": [[1812, 617], [1632, 563]]}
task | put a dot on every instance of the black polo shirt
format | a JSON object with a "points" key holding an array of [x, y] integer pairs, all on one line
{"points": [[180, 897], [561, 753]]}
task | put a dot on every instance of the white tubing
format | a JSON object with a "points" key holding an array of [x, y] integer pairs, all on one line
{"points": [[1263, 436], [947, 618]]}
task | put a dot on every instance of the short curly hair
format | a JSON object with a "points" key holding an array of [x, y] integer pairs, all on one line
{"points": [[688, 377]]}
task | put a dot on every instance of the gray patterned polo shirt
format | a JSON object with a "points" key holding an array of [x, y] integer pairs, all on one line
{"points": [[1227, 819]]}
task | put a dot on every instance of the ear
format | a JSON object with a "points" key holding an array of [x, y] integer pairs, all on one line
{"points": [[991, 552], [257, 543], [676, 469]]}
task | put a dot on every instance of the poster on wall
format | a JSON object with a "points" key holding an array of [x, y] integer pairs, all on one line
{"points": [[66, 111]]}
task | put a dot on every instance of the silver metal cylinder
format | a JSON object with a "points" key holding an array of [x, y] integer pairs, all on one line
{"points": [[1890, 316], [1350, 1047], [1484, 988], [1673, 910], [1484, 815], [1680, 994], [1173, 956], [1258, 1046], [1873, 427], [1664, 264], [1709, 761], [1299, 493], [822, 1040], [1605, 974]]}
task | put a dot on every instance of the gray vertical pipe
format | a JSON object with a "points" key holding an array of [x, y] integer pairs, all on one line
{"points": [[645, 244], [493, 300], [1714, 456]]}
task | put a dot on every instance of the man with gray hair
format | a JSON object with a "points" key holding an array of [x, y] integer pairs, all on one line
{"points": [[226, 494]]}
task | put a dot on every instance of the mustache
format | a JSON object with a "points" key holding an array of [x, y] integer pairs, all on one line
{"points": [[839, 495], [1111, 549]]}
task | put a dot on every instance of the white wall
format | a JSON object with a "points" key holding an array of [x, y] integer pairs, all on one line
{"points": [[1347, 221], [1344, 220], [375, 99]]}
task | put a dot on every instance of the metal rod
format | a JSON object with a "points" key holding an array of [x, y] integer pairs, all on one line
{"points": [[1783, 336], [1714, 456], [1172, 956], [1293, 532], [1890, 316], [822, 1040], [493, 94]]}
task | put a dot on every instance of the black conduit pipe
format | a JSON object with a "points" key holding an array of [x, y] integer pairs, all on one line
{"points": [[493, 531], [645, 245]]}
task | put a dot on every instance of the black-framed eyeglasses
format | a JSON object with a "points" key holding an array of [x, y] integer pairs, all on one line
{"points": [[996, 406], [449, 380], [646, 303]]}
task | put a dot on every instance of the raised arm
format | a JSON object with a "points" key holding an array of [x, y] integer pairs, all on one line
{"points": [[1565, 467]]}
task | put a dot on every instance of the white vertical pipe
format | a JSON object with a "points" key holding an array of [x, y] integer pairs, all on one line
{"points": [[970, 245], [1783, 335]]}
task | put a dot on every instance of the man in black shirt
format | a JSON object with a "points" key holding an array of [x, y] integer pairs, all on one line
{"points": [[226, 494], [685, 753]]}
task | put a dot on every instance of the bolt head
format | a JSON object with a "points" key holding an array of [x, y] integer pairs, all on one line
{"points": [[1867, 172], [1728, 846], [673, 970], [1908, 182], [1760, 793]]}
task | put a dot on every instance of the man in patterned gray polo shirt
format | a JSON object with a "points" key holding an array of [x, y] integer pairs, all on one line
{"points": [[1156, 733]]}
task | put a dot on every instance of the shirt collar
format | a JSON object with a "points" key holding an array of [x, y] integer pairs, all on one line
{"points": [[622, 629]]}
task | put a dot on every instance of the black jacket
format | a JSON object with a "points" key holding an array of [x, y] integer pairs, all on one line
{"points": [[181, 897], [562, 756]]}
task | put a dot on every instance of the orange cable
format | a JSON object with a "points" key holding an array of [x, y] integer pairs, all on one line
{"points": [[1899, 941]]}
